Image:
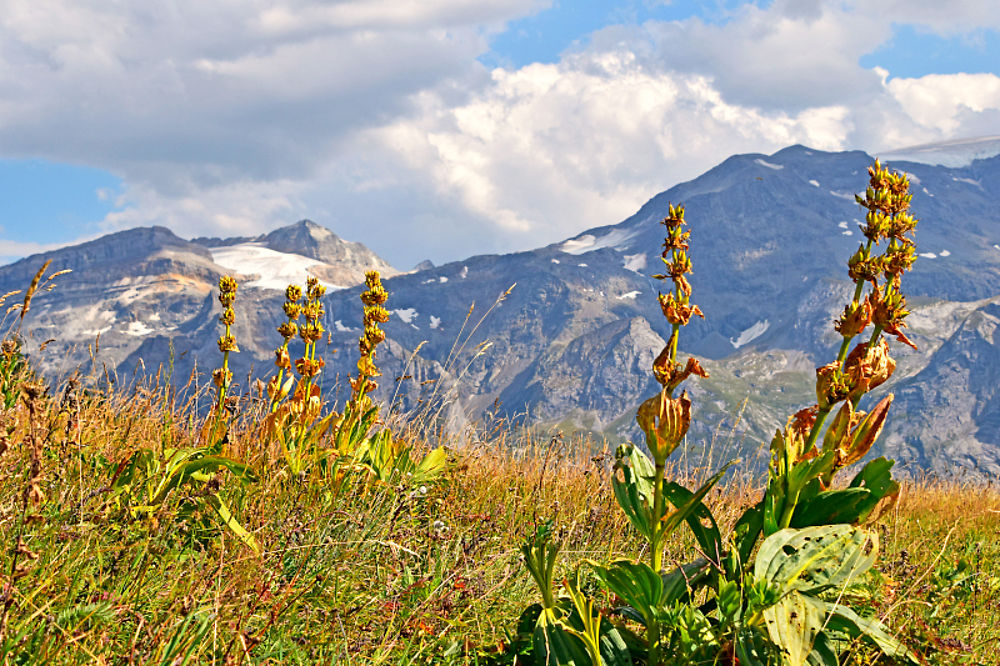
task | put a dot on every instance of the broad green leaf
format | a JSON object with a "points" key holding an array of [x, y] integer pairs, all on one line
{"points": [[636, 584], [876, 476], [634, 491], [831, 507], [846, 621], [815, 558], [432, 465], [794, 623], [554, 645], [679, 582], [700, 520], [744, 537]]}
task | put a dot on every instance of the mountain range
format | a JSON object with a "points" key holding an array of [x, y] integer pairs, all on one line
{"points": [[570, 346]]}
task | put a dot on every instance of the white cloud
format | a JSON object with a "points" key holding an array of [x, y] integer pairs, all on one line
{"points": [[374, 117]]}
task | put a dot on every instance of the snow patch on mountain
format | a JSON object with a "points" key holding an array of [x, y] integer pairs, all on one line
{"points": [[406, 314], [956, 153], [635, 262], [630, 295], [750, 334], [769, 165], [276, 269], [967, 181], [137, 328], [814, 182], [615, 238], [435, 321]]}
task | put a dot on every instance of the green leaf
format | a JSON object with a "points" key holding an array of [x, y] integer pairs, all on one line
{"points": [[432, 465], [679, 582], [876, 476], [227, 518], [846, 621], [554, 645], [636, 584], [794, 624], [691, 506], [815, 558], [831, 507], [745, 534], [603, 642], [634, 490], [700, 520]]}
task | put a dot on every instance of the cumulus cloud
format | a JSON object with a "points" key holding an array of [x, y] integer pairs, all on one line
{"points": [[170, 93], [375, 118]]}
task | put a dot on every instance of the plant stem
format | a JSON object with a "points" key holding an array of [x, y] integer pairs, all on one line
{"points": [[656, 552]]}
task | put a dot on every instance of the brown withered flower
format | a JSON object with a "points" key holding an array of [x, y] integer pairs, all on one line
{"points": [[863, 267], [855, 319], [888, 314], [852, 434], [282, 359], [868, 367], [831, 385], [288, 330], [802, 421], [308, 367], [670, 374], [664, 421], [227, 343], [221, 377], [677, 312]]}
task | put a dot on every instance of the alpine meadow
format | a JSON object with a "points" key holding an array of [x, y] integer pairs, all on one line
{"points": [[180, 515]]}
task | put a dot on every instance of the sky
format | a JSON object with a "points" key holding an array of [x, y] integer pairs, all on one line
{"points": [[439, 129]]}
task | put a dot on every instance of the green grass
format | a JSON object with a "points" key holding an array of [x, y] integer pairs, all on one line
{"points": [[376, 573]]}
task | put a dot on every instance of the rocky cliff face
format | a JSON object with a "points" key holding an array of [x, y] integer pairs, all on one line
{"points": [[572, 342]]}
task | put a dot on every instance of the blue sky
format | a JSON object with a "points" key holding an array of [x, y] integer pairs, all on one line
{"points": [[452, 126]]}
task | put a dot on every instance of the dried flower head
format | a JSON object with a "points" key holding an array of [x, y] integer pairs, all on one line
{"points": [[664, 421], [227, 343]]}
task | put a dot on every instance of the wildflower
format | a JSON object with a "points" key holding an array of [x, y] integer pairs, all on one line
{"points": [[227, 343], [852, 434], [670, 374], [855, 319], [888, 315], [677, 312], [867, 367], [308, 367], [831, 385], [222, 377], [288, 330], [664, 421]]}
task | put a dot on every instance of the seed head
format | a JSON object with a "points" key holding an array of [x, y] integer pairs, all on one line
{"points": [[665, 421], [227, 343]]}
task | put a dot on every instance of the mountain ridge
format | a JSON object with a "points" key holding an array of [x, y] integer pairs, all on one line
{"points": [[571, 345]]}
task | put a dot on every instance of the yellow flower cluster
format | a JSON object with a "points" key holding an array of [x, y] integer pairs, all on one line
{"points": [[373, 298]]}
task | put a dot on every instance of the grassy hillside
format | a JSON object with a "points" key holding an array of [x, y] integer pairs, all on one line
{"points": [[143, 524], [380, 573]]}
